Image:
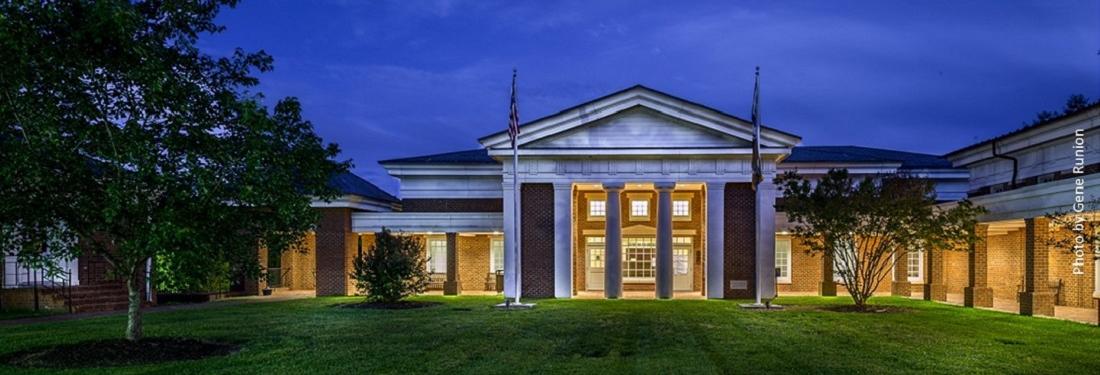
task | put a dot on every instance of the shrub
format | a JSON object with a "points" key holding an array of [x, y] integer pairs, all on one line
{"points": [[393, 268]]}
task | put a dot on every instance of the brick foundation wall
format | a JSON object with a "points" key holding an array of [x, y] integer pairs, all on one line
{"points": [[334, 243], [537, 232], [473, 262], [740, 239], [453, 205]]}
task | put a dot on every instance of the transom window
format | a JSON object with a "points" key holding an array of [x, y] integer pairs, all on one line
{"points": [[915, 266], [783, 260], [639, 257], [496, 255], [597, 208], [639, 208], [681, 208], [437, 255]]}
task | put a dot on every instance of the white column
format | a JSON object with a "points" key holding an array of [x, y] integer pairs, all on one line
{"points": [[716, 236], [563, 240], [765, 239], [511, 272], [1096, 282], [664, 239], [613, 249]]}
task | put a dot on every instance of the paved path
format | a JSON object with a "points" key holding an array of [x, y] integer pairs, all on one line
{"points": [[278, 296]]}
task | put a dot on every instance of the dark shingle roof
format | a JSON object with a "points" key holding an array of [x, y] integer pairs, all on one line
{"points": [[349, 183], [856, 154], [476, 156]]}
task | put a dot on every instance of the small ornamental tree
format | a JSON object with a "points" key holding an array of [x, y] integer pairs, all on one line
{"points": [[1075, 230], [393, 268], [863, 224]]}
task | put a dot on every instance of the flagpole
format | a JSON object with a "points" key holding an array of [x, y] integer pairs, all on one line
{"points": [[515, 216], [514, 122], [757, 176]]}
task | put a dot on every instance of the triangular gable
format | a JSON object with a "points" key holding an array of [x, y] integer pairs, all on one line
{"points": [[708, 122], [639, 127]]}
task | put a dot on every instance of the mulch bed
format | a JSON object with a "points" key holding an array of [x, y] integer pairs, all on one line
{"points": [[119, 352], [399, 305]]}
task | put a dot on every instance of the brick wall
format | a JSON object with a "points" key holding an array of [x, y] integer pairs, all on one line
{"points": [[1006, 264], [740, 239], [453, 205], [805, 269], [1076, 290], [473, 262], [334, 244], [537, 231], [956, 271]]}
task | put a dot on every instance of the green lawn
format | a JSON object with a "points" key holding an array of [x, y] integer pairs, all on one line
{"points": [[465, 335]]}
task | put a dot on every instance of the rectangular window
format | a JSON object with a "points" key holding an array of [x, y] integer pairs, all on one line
{"points": [[595, 246], [639, 208], [597, 208], [437, 256], [681, 255], [783, 260], [639, 258], [915, 266], [681, 208], [496, 255]]}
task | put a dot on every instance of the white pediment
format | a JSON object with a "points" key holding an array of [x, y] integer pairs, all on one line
{"points": [[639, 127], [638, 119]]}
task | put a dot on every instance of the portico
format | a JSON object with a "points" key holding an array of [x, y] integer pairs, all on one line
{"points": [[638, 190]]}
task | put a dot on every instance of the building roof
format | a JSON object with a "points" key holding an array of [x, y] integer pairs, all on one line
{"points": [[856, 154], [350, 184], [575, 107], [475, 156], [1024, 129]]}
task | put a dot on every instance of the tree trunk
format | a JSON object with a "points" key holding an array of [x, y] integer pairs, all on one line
{"points": [[134, 331]]}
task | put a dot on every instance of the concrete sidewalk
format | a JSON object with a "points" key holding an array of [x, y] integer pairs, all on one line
{"points": [[232, 301]]}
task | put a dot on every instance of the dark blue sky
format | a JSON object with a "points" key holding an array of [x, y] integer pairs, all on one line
{"points": [[389, 79]]}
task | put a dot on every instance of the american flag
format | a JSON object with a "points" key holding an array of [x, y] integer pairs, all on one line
{"points": [[757, 167], [513, 114]]}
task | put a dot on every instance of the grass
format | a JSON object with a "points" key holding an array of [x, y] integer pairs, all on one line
{"points": [[20, 314], [464, 335]]}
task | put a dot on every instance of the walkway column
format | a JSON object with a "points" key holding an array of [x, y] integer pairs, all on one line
{"points": [[511, 269], [901, 286], [978, 293], [664, 238], [1036, 299], [934, 278], [828, 283], [765, 239], [450, 286], [613, 253], [563, 240], [716, 238], [1096, 282]]}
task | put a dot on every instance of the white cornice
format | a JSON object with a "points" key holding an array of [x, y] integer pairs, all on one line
{"points": [[1088, 120]]}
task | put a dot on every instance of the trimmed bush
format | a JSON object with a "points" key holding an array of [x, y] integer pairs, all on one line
{"points": [[393, 268]]}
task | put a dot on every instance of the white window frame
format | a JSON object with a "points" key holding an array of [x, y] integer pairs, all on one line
{"points": [[595, 244], [779, 244], [634, 208], [593, 214], [433, 261], [496, 246], [681, 208], [681, 255], [920, 267]]}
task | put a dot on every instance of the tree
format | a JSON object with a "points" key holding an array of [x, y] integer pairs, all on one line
{"points": [[394, 268], [863, 224], [1076, 102], [1076, 229], [119, 134]]}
